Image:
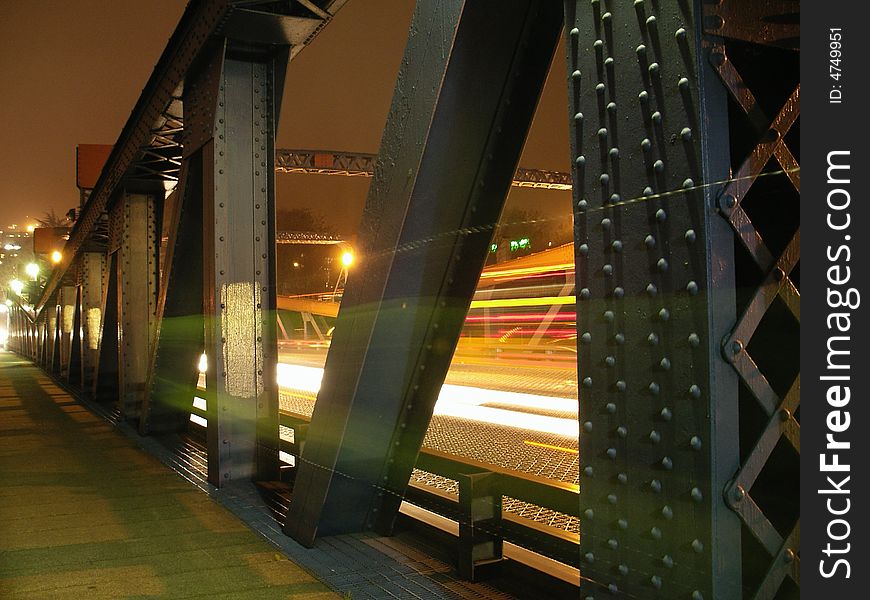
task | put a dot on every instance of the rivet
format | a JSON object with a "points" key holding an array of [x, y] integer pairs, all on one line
{"points": [[661, 215], [606, 223], [578, 118], [612, 544], [694, 340], [667, 463], [789, 556], [588, 471], [665, 364], [656, 533], [696, 595], [697, 546], [589, 557], [611, 453], [662, 265], [654, 71], [610, 361], [667, 512], [611, 108], [622, 478], [609, 316], [585, 293], [587, 426], [621, 431], [651, 289], [587, 382], [686, 134], [664, 314], [784, 415], [736, 346], [623, 570], [692, 288], [654, 388], [612, 498], [583, 204], [619, 338], [683, 84], [618, 292], [696, 494], [600, 89], [580, 161], [649, 241], [655, 485], [576, 75], [584, 249], [655, 437], [680, 34], [602, 133], [616, 245], [652, 339], [620, 386], [646, 145], [656, 582], [667, 561], [586, 338], [666, 414], [610, 407], [641, 52], [613, 588], [647, 191], [589, 514]]}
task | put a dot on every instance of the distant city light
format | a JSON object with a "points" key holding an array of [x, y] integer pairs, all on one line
{"points": [[17, 286], [347, 258], [32, 270], [30, 228], [56, 256], [11, 247]]}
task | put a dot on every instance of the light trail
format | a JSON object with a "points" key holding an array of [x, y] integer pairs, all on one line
{"points": [[465, 402]]}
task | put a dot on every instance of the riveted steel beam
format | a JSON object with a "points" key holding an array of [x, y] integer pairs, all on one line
{"points": [[66, 318], [137, 293], [463, 103], [233, 127], [106, 378], [179, 336], [655, 289], [93, 267]]}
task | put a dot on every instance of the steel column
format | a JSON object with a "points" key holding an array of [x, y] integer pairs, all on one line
{"points": [[461, 109], [137, 296], [106, 377], [655, 289], [66, 316], [74, 370], [237, 190], [179, 336], [93, 267]]}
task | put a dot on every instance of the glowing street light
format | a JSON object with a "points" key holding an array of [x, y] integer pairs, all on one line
{"points": [[56, 256], [17, 286], [347, 258], [32, 270]]}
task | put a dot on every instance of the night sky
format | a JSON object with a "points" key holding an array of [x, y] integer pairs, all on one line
{"points": [[72, 71]]}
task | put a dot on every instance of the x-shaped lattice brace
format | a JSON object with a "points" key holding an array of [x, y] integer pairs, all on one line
{"points": [[777, 282]]}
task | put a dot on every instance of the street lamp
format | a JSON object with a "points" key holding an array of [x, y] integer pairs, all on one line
{"points": [[32, 270], [347, 258], [17, 286], [56, 256]]}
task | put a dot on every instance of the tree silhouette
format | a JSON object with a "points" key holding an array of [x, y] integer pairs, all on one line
{"points": [[51, 219]]}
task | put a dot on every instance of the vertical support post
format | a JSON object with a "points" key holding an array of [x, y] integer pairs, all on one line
{"points": [[93, 265], [655, 290], [66, 317], [137, 297], [463, 104], [239, 266], [106, 377], [53, 310], [480, 541], [74, 371]]}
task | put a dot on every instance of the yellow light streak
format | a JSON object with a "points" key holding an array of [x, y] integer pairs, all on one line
{"points": [[551, 447], [526, 271], [512, 302]]}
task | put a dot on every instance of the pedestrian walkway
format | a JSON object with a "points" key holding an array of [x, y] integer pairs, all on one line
{"points": [[86, 514]]}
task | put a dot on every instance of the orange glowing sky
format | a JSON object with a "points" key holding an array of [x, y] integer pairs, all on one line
{"points": [[72, 71]]}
